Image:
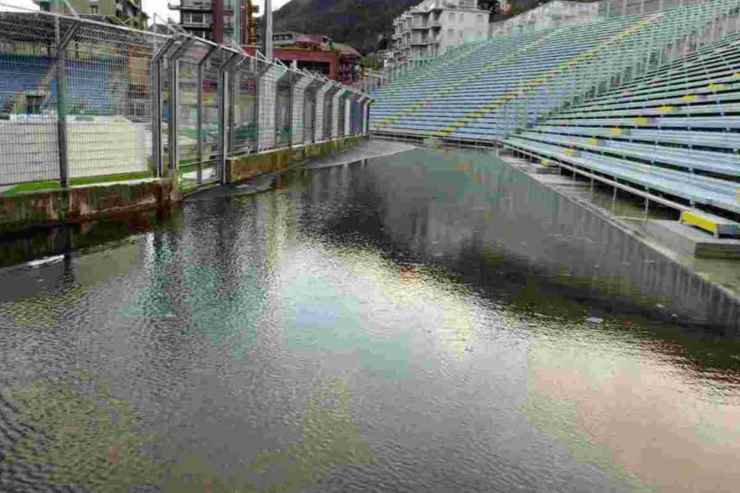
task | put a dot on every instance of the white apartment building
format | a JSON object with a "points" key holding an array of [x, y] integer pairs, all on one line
{"points": [[430, 28]]}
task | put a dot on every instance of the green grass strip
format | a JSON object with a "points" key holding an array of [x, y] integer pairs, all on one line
{"points": [[86, 180]]}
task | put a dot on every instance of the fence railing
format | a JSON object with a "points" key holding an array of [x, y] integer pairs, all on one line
{"points": [[82, 101]]}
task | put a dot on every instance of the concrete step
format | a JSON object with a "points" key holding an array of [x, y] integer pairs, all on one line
{"points": [[692, 241]]}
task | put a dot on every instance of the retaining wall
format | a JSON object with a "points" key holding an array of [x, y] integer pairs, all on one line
{"points": [[79, 204], [73, 205], [246, 167]]}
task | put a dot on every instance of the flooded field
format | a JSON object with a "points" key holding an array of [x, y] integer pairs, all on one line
{"points": [[431, 321]]}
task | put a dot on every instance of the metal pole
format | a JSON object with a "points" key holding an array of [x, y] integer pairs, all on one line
{"points": [[647, 204], [293, 79], [156, 117], [156, 71], [267, 38], [174, 97], [223, 115], [62, 42], [199, 109], [614, 200], [172, 124]]}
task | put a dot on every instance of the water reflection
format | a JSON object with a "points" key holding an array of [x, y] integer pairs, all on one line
{"points": [[75, 438], [635, 411], [411, 324]]}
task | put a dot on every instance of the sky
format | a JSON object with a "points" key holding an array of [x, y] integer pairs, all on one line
{"points": [[150, 6]]}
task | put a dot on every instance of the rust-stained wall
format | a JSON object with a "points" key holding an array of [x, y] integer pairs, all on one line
{"points": [[52, 207], [75, 205], [243, 168]]}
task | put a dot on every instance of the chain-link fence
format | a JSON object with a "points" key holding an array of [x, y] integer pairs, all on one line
{"points": [[86, 101]]}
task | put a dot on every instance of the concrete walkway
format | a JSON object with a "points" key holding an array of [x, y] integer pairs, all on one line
{"points": [[366, 150]]}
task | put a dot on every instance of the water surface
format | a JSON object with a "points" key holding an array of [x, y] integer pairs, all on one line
{"points": [[432, 321]]}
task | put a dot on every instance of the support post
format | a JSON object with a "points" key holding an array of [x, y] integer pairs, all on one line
{"points": [[298, 102], [357, 126], [156, 73], [224, 104], [321, 94], [174, 101], [62, 41], [366, 116], [348, 116], [199, 109], [267, 41], [338, 112], [266, 102]]}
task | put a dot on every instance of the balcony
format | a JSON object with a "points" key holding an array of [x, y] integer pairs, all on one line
{"points": [[197, 25], [192, 5]]}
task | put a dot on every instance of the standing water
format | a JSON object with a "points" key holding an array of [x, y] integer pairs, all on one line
{"points": [[432, 321]]}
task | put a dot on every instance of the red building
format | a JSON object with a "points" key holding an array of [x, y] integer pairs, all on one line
{"points": [[318, 53], [214, 19]]}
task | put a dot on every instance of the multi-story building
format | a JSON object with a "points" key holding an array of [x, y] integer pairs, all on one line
{"points": [[219, 20], [430, 28], [125, 12], [316, 53]]}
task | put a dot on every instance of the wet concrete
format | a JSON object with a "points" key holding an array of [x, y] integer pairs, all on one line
{"points": [[704, 290]]}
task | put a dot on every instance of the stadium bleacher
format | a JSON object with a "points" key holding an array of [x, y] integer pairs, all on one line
{"points": [[636, 99], [89, 84], [675, 131], [509, 82], [21, 74]]}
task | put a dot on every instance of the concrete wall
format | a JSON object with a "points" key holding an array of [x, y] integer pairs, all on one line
{"points": [[551, 15], [53, 207], [26, 211], [246, 167]]}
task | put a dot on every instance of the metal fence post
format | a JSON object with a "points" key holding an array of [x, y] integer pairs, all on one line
{"points": [[199, 110], [320, 118], [174, 75], [224, 77], [366, 117], [62, 41], [337, 112], [297, 107], [233, 97], [348, 115], [174, 66], [156, 75], [267, 83]]}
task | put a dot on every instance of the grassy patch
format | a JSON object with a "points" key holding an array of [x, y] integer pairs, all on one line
{"points": [[87, 180]]}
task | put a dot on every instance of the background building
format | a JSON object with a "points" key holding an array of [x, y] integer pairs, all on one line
{"points": [[551, 15], [430, 28], [317, 53], [219, 20], [125, 12]]}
